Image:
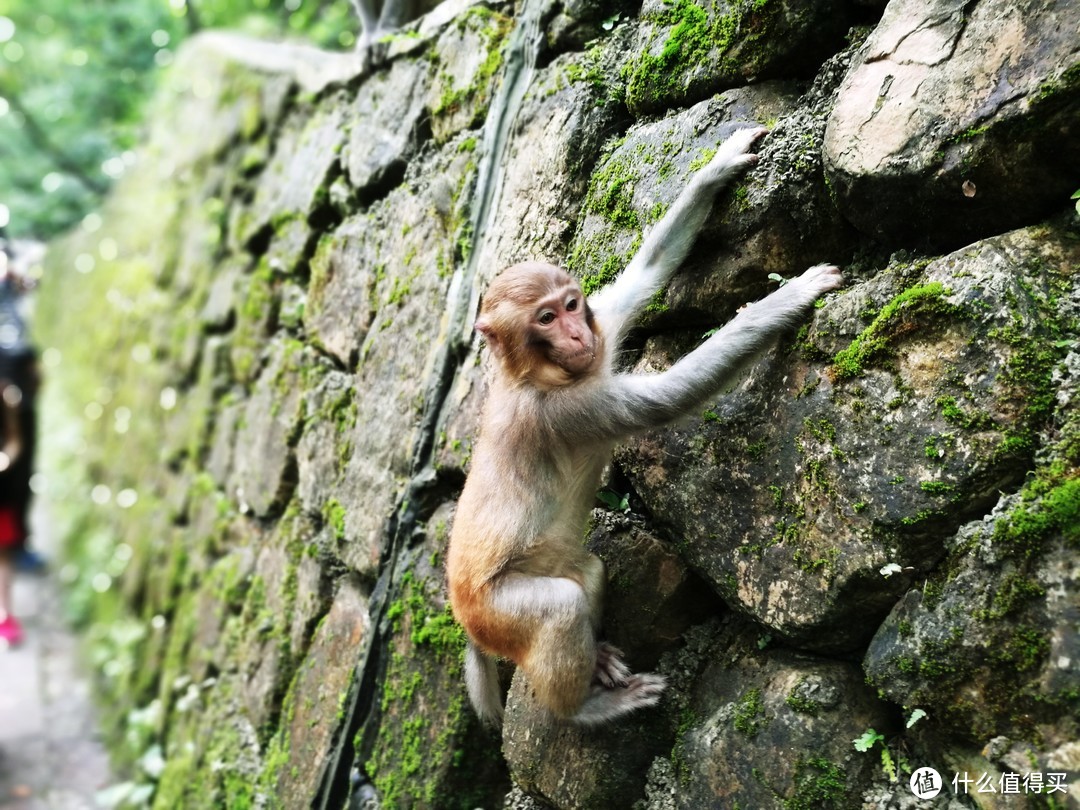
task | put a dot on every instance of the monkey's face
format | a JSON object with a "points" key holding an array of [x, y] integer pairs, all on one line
{"points": [[562, 329], [537, 323]]}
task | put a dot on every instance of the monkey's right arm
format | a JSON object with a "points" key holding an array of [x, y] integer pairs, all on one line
{"points": [[629, 403], [670, 241]]}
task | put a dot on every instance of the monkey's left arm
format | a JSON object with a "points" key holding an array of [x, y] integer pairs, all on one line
{"points": [[636, 402], [670, 241]]}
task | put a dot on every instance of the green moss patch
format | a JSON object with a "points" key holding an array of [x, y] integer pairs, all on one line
{"points": [[696, 37], [895, 319]]}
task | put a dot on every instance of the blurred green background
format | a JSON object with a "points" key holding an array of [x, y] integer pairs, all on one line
{"points": [[75, 76]]}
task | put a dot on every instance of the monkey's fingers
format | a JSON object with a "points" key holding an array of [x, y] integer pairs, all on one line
{"points": [[823, 277], [610, 670], [739, 143], [734, 155]]}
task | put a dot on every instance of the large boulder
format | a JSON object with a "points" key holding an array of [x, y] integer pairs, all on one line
{"points": [[958, 120], [908, 404]]}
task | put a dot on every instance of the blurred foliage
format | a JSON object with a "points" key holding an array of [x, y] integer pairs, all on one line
{"points": [[74, 77]]}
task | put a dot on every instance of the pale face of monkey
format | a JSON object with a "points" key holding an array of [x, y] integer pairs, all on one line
{"points": [[538, 324], [562, 328]]}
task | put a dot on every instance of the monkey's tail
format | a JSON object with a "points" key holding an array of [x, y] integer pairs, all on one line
{"points": [[482, 681]]}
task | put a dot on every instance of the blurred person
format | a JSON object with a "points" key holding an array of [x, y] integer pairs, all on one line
{"points": [[12, 529], [18, 385]]}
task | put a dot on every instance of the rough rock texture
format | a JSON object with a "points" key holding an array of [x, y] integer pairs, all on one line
{"points": [[918, 421], [262, 398], [958, 120]]}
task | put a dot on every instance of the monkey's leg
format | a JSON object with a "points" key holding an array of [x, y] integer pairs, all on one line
{"points": [[610, 670], [553, 614], [594, 581], [614, 691], [552, 621]]}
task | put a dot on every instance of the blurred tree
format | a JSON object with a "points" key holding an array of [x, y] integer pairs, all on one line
{"points": [[74, 77]]}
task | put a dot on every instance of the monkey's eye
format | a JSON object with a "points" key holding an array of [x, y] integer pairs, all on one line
{"points": [[546, 318], [571, 305]]}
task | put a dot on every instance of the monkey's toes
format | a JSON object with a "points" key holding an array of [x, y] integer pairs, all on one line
{"points": [[610, 670], [646, 688]]}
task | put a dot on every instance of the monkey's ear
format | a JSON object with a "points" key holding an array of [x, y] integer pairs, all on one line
{"points": [[488, 333]]}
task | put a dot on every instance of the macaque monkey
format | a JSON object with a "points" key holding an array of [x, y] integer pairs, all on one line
{"points": [[521, 583]]}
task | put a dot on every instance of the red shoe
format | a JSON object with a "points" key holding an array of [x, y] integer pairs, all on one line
{"points": [[11, 634]]}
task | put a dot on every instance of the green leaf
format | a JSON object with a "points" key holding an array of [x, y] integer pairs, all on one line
{"points": [[916, 716], [867, 740], [888, 765], [613, 500]]}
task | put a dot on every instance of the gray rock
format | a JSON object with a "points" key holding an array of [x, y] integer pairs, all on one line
{"points": [[306, 151], [821, 474], [221, 297], [264, 465], [340, 308], [395, 357], [957, 121], [774, 731], [385, 125], [991, 649], [329, 420], [684, 52], [597, 767], [467, 57], [311, 722]]}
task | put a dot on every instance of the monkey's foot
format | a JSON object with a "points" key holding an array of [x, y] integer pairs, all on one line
{"points": [[642, 690], [610, 670], [604, 704]]}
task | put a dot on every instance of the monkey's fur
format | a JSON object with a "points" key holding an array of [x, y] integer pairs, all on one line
{"points": [[521, 583]]}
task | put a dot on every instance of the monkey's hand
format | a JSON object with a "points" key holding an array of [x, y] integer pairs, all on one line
{"points": [[811, 285], [733, 157], [610, 670]]}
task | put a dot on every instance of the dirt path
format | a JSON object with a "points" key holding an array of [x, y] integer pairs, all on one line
{"points": [[50, 752]]}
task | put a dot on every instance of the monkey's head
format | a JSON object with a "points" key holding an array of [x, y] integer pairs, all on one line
{"points": [[537, 323]]}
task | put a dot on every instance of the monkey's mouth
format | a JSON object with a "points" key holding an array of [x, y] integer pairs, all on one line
{"points": [[580, 361]]}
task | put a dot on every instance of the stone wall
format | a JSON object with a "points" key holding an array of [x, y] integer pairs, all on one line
{"points": [[263, 389]]}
